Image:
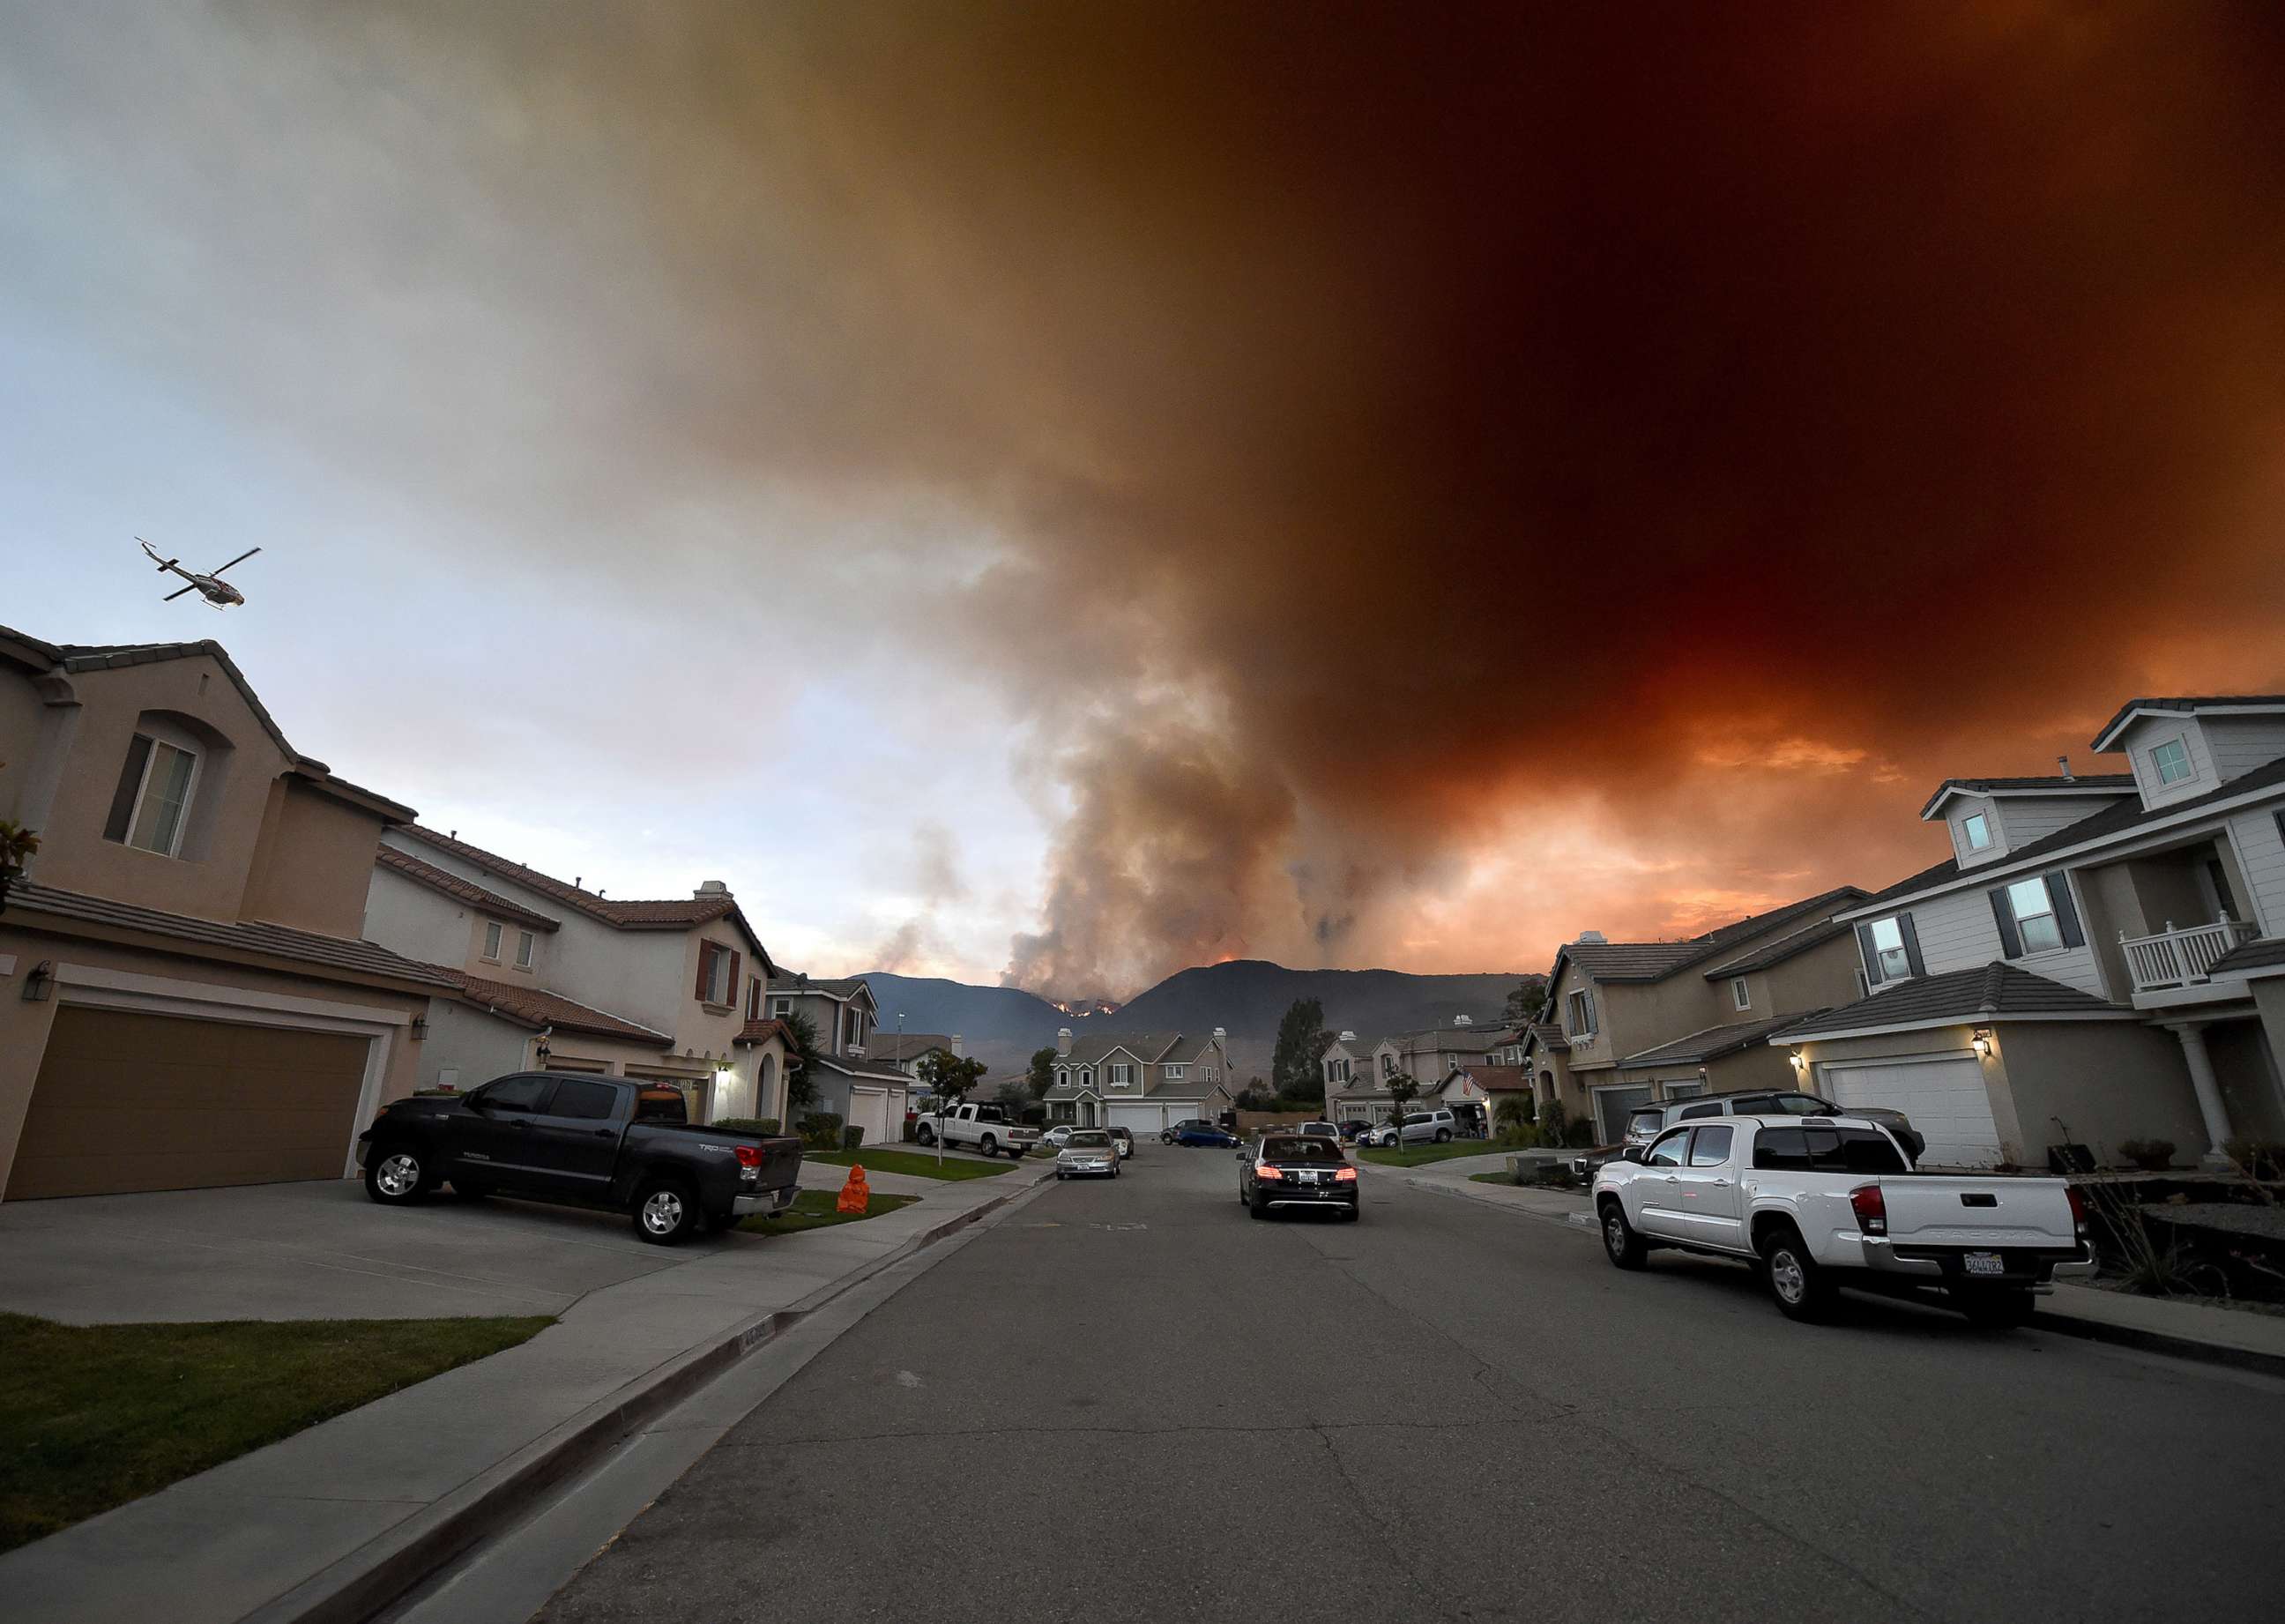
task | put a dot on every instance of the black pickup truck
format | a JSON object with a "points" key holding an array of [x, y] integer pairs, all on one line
{"points": [[602, 1141]]}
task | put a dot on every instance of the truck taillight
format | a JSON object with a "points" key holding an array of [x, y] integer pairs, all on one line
{"points": [[1871, 1207], [749, 1156], [2078, 1210]]}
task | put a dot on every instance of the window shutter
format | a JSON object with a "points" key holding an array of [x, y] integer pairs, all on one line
{"points": [[1870, 954], [706, 951], [130, 780], [1912, 945], [730, 981], [2066, 911], [2011, 940]]}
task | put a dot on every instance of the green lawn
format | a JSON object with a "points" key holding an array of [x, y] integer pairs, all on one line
{"points": [[920, 1164], [1491, 1178], [815, 1209], [1413, 1155], [92, 1416]]}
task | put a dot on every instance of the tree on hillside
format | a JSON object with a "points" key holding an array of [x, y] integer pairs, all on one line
{"points": [[1527, 1003], [1042, 1074], [801, 1081], [1300, 1039]]}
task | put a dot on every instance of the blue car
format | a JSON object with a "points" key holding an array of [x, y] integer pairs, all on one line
{"points": [[1201, 1133]]}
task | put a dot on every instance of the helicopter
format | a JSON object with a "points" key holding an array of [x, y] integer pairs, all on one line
{"points": [[218, 593]]}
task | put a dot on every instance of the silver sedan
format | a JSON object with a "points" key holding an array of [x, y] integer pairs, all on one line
{"points": [[1087, 1153]]}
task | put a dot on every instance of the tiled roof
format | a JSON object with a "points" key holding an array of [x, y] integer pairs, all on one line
{"points": [[668, 913], [1499, 1079], [847, 987], [2118, 818], [2256, 954], [900, 1046], [2185, 703], [538, 1007], [1777, 951], [1549, 1035], [1994, 991], [464, 890], [1713, 1042], [1187, 1049], [762, 1032], [2082, 782], [302, 949]]}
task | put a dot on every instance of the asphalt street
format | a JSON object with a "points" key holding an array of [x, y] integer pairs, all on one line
{"points": [[1129, 1400]]}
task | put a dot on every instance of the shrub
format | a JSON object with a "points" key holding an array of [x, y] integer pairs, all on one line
{"points": [[1554, 1123], [2150, 1155], [2262, 1158], [821, 1131], [747, 1124], [1580, 1136], [1521, 1135], [851, 1137]]}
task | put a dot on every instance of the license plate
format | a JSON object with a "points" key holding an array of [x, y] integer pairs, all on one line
{"points": [[1984, 1263]]}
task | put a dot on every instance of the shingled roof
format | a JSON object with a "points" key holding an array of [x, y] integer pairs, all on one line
{"points": [[537, 1007], [297, 949], [1987, 992], [2053, 783], [2259, 953], [1712, 1043], [462, 891], [897, 1046], [1777, 951], [2185, 704], [1613, 961]]}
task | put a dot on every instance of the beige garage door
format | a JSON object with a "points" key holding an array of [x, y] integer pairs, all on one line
{"points": [[149, 1101], [869, 1108]]}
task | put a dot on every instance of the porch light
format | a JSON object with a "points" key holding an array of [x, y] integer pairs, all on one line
{"points": [[420, 1027], [1795, 1056], [40, 981], [1983, 1041]]}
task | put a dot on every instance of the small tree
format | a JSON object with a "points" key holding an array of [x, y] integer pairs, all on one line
{"points": [[1402, 1089], [1293, 1068], [801, 1077], [1554, 1123], [1042, 1074], [949, 1078], [1527, 1003]]}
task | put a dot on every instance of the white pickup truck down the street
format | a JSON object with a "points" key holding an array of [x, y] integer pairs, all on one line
{"points": [[1817, 1202]]}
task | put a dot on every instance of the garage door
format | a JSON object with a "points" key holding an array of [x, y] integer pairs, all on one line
{"points": [[1946, 1100], [150, 1102], [869, 1108], [1611, 1108], [1145, 1119]]}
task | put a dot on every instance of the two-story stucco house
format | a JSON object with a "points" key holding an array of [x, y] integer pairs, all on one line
{"points": [[1355, 1071], [548, 975], [848, 1079], [1145, 1082], [2100, 958], [184, 998], [1637, 1021]]}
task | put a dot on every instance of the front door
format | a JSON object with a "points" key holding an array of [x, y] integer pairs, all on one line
{"points": [[1710, 1207], [1660, 1208]]}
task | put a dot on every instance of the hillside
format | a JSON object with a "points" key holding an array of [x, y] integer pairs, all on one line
{"points": [[1247, 997]]}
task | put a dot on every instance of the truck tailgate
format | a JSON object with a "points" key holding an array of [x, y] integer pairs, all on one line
{"points": [[1995, 1213], [781, 1161]]}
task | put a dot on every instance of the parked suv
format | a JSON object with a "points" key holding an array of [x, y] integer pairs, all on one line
{"points": [[1647, 1122], [1419, 1127]]}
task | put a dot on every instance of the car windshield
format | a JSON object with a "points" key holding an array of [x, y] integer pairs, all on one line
{"points": [[1091, 1140], [1300, 1148]]}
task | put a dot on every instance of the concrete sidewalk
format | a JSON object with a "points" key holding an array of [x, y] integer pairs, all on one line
{"points": [[2242, 1337], [336, 1520]]}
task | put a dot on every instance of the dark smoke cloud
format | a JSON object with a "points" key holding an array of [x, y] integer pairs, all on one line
{"points": [[1453, 474]]}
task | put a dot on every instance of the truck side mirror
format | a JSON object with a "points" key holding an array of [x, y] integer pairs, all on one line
{"points": [[1632, 1153]]}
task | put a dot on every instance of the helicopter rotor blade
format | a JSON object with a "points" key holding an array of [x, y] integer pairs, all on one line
{"points": [[170, 597], [240, 559]]}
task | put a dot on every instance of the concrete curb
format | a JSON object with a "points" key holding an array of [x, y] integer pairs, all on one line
{"points": [[359, 1585], [2049, 1318]]}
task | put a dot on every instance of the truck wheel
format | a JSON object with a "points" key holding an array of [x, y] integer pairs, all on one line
{"points": [[396, 1175], [1997, 1307], [1796, 1281], [989, 1145], [1621, 1244], [924, 1135], [666, 1211], [1443, 1135]]}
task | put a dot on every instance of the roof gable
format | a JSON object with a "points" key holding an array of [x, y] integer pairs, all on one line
{"points": [[2188, 705]]}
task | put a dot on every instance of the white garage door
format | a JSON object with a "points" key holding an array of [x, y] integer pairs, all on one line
{"points": [[1945, 1098], [1145, 1119], [869, 1108]]}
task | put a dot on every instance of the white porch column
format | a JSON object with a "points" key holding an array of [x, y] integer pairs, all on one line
{"points": [[2207, 1086]]}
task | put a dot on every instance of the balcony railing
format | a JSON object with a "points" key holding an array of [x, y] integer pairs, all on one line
{"points": [[2181, 958]]}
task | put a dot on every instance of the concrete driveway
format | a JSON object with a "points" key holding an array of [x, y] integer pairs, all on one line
{"points": [[314, 1251]]}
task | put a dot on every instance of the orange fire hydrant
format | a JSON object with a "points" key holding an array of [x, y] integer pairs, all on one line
{"points": [[856, 1196]]}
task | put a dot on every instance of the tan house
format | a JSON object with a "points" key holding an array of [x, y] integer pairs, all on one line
{"points": [[548, 975], [185, 997], [1640, 1022], [1145, 1082], [2100, 958]]}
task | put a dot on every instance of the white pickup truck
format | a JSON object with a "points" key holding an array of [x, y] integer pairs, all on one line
{"points": [[1821, 1202], [981, 1128]]}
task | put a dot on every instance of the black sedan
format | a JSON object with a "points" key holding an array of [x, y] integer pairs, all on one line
{"points": [[1295, 1170]]}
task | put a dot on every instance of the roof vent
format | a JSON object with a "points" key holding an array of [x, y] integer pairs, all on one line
{"points": [[1592, 936], [710, 888], [1348, 1036], [1220, 1032], [1464, 1020]]}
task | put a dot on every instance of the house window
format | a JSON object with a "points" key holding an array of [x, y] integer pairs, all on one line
{"points": [[1889, 949], [1389, 1065], [154, 798], [2170, 761], [780, 1007], [1121, 1075], [715, 967], [524, 944], [1062, 1078], [1175, 1074], [1582, 1007], [2035, 914], [1978, 830], [493, 931], [1208, 1074], [1740, 994]]}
